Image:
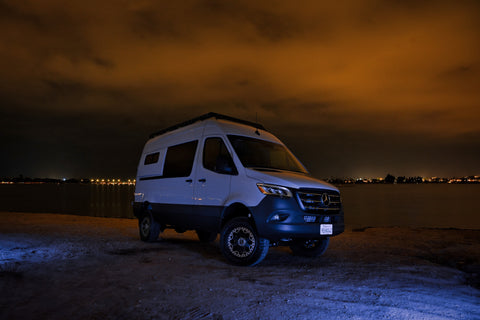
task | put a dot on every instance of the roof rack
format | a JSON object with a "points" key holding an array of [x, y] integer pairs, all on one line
{"points": [[205, 117]]}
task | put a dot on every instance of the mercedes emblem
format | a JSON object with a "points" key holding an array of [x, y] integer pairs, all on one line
{"points": [[325, 199]]}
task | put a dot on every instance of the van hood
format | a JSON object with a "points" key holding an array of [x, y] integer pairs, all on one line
{"points": [[288, 179]]}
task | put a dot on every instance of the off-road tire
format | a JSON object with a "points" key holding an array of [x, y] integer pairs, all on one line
{"points": [[148, 227], [240, 243]]}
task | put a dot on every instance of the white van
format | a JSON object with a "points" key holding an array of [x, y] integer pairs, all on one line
{"points": [[217, 174]]}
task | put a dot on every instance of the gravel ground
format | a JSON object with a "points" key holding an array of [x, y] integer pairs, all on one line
{"points": [[60, 266]]}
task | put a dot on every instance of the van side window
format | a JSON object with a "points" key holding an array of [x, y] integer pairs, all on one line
{"points": [[179, 160], [217, 158], [151, 158]]}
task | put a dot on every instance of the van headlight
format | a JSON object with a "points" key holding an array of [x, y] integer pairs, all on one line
{"points": [[273, 190]]}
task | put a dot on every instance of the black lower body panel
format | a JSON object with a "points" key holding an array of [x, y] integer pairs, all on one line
{"points": [[295, 223]]}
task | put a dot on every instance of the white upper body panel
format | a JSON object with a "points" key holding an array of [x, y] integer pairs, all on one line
{"points": [[240, 188]]}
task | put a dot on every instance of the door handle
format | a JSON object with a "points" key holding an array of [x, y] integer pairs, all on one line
{"points": [[189, 180], [202, 180]]}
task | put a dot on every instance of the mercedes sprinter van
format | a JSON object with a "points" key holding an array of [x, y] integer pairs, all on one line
{"points": [[220, 175]]}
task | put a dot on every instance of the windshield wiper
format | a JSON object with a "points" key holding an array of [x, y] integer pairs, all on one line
{"points": [[264, 169], [276, 170]]}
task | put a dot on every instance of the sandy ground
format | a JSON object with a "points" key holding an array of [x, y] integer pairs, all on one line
{"points": [[73, 267]]}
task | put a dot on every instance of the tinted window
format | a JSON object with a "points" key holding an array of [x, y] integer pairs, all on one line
{"points": [[151, 158], [217, 158], [179, 160], [261, 154]]}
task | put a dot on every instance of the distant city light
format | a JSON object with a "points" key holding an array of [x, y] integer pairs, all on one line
{"points": [[474, 179], [113, 181], [96, 181]]}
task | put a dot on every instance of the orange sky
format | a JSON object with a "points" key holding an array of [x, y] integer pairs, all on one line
{"points": [[381, 79]]}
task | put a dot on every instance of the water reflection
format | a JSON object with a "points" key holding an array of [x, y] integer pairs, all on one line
{"points": [[423, 205], [81, 199], [111, 201]]}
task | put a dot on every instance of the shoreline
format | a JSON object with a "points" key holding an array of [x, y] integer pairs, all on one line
{"points": [[348, 227]]}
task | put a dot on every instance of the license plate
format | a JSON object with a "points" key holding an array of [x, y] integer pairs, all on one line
{"points": [[326, 229]]}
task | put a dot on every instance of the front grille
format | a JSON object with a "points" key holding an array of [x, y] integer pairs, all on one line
{"points": [[319, 201]]}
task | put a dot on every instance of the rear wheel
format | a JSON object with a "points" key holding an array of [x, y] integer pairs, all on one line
{"points": [[149, 228], [240, 243], [310, 248]]}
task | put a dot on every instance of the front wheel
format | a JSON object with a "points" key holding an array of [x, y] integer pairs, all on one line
{"points": [[240, 243], [310, 248], [149, 228]]}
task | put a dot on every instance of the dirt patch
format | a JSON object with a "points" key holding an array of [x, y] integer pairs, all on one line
{"points": [[134, 251], [57, 267]]}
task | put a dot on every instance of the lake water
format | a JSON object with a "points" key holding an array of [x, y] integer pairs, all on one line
{"points": [[80, 199], [412, 205], [369, 205]]}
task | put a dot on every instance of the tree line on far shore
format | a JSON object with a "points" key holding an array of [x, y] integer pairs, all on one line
{"points": [[391, 179]]}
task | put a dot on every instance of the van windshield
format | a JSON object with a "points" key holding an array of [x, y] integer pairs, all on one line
{"points": [[264, 155]]}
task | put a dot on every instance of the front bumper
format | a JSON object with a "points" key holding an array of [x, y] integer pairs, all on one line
{"points": [[295, 225]]}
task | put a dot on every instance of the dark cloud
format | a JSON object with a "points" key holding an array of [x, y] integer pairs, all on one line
{"points": [[373, 80]]}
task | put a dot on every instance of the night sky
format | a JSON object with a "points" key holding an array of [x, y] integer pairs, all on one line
{"points": [[354, 88]]}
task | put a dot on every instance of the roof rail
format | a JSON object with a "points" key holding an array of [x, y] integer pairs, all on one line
{"points": [[205, 117]]}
